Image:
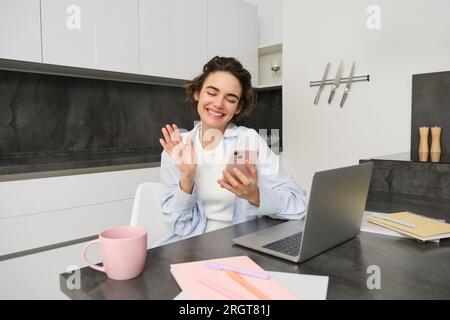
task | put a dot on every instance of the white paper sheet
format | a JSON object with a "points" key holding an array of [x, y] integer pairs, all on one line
{"points": [[305, 287], [366, 226]]}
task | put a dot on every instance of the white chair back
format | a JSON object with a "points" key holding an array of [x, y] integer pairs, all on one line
{"points": [[147, 212]]}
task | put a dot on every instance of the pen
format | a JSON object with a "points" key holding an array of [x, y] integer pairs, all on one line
{"points": [[251, 273], [219, 289], [247, 285], [384, 217]]}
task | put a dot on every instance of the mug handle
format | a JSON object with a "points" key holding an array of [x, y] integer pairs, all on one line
{"points": [[90, 264]]}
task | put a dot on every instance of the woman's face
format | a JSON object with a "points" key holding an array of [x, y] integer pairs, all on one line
{"points": [[219, 99]]}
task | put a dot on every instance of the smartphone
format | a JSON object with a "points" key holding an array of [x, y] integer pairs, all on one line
{"points": [[237, 160]]}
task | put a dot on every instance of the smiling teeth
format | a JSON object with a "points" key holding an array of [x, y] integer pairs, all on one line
{"points": [[219, 114]]}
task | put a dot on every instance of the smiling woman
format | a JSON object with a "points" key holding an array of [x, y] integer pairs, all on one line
{"points": [[234, 80], [198, 192]]}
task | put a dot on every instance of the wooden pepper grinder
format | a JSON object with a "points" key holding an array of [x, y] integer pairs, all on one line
{"points": [[435, 144], [423, 144]]}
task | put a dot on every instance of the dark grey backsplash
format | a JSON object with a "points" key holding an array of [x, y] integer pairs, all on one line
{"points": [[411, 178], [431, 107], [267, 114], [52, 114]]}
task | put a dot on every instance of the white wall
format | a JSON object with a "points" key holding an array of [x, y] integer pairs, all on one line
{"points": [[270, 21], [414, 38]]}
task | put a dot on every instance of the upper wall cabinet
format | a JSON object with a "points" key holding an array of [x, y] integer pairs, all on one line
{"points": [[163, 38], [173, 37], [95, 34], [233, 31], [20, 30]]}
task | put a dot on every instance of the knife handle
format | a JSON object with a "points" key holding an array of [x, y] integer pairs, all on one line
{"points": [[316, 100], [331, 94], [344, 97]]}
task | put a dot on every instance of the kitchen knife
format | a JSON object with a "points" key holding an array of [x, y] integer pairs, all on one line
{"points": [[349, 85], [322, 83], [336, 82]]}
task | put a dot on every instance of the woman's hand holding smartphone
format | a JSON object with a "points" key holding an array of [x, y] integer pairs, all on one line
{"points": [[240, 176], [238, 160], [182, 155]]}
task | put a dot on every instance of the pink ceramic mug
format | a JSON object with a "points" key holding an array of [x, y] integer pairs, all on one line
{"points": [[123, 251]]}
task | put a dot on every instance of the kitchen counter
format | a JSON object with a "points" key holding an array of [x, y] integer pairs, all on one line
{"points": [[399, 174], [406, 157], [410, 270], [386, 202], [26, 167]]}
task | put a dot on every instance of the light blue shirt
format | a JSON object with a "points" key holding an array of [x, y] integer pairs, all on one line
{"points": [[280, 197]]}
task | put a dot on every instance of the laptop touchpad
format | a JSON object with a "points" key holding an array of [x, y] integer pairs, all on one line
{"points": [[280, 231]]}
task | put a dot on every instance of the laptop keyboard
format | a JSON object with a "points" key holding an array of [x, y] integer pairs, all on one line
{"points": [[289, 245]]}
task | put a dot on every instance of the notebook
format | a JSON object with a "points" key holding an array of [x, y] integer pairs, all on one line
{"points": [[190, 276], [424, 228], [367, 226], [303, 286]]}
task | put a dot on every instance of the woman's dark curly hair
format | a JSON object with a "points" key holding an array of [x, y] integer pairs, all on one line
{"points": [[234, 67]]}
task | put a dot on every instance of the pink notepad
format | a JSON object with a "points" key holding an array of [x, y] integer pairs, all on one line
{"points": [[188, 274]]}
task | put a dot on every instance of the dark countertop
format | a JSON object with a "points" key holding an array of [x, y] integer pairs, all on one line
{"points": [[393, 202], [406, 157], [53, 162], [409, 270]]}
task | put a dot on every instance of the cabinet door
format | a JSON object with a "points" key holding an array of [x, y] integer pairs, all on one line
{"points": [[95, 34], [41, 212], [172, 37], [20, 30], [233, 31]]}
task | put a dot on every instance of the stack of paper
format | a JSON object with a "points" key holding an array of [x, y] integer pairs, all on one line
{"points": [[413, 225], [279, 286], [303, 286], [367, 226]]}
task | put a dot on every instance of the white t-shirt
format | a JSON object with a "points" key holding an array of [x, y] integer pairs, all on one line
{"points": [[217, 201]]}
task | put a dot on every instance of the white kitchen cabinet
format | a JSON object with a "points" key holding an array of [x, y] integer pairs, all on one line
{"points": [[36, 276], [49, 228], [233, 31], [163, 38], [41, 212], [20, 30], [173, 35], [95, 34]]}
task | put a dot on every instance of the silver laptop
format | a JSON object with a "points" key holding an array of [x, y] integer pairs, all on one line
{"points": [[334, 215]]}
